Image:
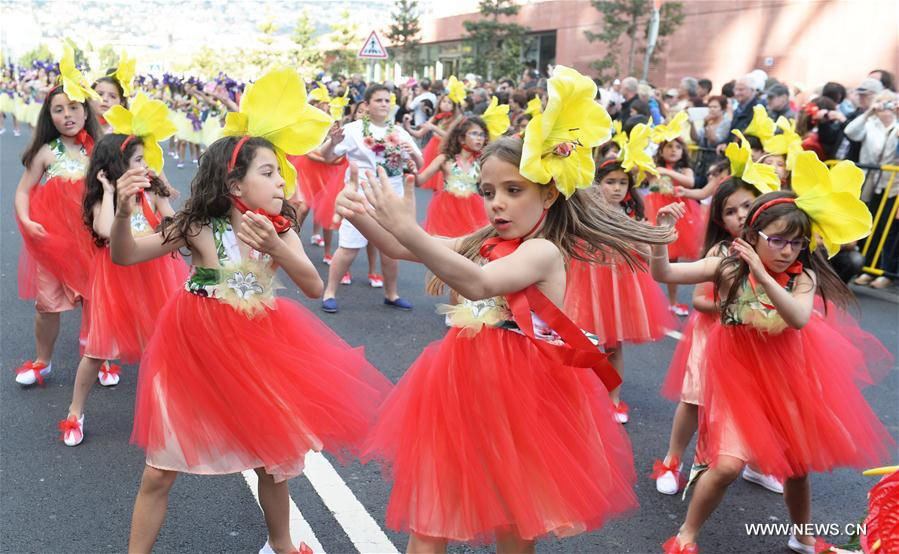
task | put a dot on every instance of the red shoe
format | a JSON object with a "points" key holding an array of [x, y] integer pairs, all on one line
{"points": [[347, 279], [327, 259], [375, 280], [30, 373], [621, 412], [72, 430], [672, 546], [680, 310], [109, 374]]}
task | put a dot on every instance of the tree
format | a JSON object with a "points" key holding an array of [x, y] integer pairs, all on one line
{"points": [[39, 53], [107, 57], [630, 19], [305, 55], [347, 39], [268, 54], [403, 33], [497, 46]]}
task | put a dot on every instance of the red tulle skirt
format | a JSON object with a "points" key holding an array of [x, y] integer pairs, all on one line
{"points": [[686, 372], [324, 204], [68, 250], [616, 303], [878, 361], [431, 151], [787, 402], [312, 176], [455, 216], [484, 434], [125, 302], [221, 392], [690, 228]]}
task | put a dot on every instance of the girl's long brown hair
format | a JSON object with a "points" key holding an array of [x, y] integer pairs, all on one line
{"points": [[579, 226]]}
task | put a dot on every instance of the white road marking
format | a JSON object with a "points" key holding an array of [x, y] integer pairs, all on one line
{"points": [[360, 527], [676, 335], [300, 531]]}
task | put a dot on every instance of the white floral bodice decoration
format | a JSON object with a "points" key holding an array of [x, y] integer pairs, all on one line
{"points": [[66, 165], [460, 182]]}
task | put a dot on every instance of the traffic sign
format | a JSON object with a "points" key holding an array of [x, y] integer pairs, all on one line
{"points": [[373, 49]]}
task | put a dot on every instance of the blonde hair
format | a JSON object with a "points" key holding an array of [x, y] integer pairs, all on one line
{"points": [[580, 226]]}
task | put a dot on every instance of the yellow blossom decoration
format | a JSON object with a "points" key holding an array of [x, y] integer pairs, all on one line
{"points": [[275, 108], [496, 117], [124, 73], [788, 143], [320, 94], [619, 137], [534, 106], [73, 83], [672, 130], [337, 105], [761, 125], [455, 90], [558, 142], [634, 155], [762, 176], [830, 198], [147, 119]]}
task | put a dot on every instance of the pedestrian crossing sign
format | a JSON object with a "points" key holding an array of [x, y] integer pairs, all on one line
{"points": [[372, 49]]}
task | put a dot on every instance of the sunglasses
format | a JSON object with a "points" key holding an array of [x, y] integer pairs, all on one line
{"points": [[779, 243]]}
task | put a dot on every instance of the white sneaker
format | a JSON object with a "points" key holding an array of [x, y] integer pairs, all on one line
{"points": [[796, 546], [669, 481], [766, 481], [30, 373], [72, 430], [266, 549], [316, 240], [16, 133], [109, 374]]}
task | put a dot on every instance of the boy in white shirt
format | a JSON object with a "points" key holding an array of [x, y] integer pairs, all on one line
{"points": [[370, 142]]}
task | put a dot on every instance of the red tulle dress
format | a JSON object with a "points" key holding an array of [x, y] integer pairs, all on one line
{"points": [[785, 399], [504, 425], [458, 209], [67, 251], [690, 228], [235, 378], [312, 177], [323, 206], [432, 150], [126, 300]]}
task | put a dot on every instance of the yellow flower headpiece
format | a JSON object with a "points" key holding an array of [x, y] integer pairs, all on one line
{"points": [[762, 176], [761, 125], [455, 90], [496, 117], [558, 141], [275, 108], [392, 100], [124, 73], [672, 130], [73, 83], [337, 105], [830, 198], [788, 143], [534, 106], [619, 137], [147, 119], [320, 94], [634, 155]]}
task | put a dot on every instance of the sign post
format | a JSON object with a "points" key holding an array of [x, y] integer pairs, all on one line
{"points": [[372, 50]]}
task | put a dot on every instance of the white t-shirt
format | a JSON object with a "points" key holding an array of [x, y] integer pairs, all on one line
{"points": [[354, 148]]}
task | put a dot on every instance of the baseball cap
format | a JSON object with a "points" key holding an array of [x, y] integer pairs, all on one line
{"points": [[870, 86]]}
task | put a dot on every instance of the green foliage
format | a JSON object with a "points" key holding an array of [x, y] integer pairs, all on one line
{"points": [[305, 55], [628, 21], [403, 33], [39, 53], [108, 57], [497, 46], [346, 35]]}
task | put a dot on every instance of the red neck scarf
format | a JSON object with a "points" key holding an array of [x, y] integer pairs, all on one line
{"points": [[472, 151], [782, 278], [577, 351], [84, 139], [281, 223], [442, 115]]}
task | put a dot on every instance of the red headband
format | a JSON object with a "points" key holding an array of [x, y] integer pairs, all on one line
{"points": [[236, 151], [128, 139], [768, 204], [609, 161]]}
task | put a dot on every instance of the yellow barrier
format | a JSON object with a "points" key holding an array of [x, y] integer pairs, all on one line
{"points": [[891, 218]]}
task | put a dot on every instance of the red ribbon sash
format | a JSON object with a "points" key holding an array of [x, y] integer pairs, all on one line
{"points": [[281, 223]]}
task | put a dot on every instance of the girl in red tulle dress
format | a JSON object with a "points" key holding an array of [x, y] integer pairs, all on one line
{"points": [[235, 378], [503, 430], [457, 209], [673, 164], [448, 114], [54, 265], [779, 385], [125, 300], [613, 300]]}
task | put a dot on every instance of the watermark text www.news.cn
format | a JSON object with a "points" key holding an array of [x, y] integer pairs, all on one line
{"points": [[812, 529]]}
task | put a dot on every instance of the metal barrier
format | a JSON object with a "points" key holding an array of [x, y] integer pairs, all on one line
{"points": [[882, 212]]}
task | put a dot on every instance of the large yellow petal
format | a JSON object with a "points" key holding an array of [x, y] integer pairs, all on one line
{"points": [[572, 172], [456, 90], [761, 126], [762, 176], [672, 130], [153, 154], [125, 71], [739, 154], [120, 119], [303, 136], [288, 171], [531, 166], [320, 94], [72, 80], [847, 177], [534, 106], [235, 124], [810, 175], [497, 118]]}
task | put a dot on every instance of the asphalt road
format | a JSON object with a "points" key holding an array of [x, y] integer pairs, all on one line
{"points": [[59, 499]]}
